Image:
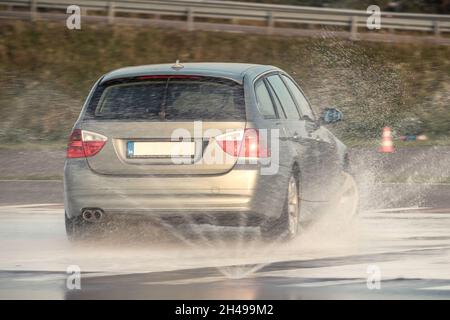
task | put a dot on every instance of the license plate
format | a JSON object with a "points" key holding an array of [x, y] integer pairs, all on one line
{"points": [[146, 149]]}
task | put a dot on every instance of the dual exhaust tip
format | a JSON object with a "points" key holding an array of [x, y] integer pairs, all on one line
{"points": [[93, 215]]}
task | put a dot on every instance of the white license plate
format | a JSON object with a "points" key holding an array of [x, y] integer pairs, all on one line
{"points": [[138, 149]]}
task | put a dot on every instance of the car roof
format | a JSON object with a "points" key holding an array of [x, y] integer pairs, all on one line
{"points": [[233, 71]]}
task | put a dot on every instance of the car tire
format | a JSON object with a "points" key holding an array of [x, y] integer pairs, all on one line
{"points": [[286, 227]]}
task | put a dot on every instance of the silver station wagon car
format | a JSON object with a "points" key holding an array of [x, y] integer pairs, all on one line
{"points": [[219, 143]]}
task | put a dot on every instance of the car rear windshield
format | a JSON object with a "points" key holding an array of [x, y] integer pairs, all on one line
{"points": [[169, 98]]}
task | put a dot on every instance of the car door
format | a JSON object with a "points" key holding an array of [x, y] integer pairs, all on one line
{"points": [[304, 147], [326, 153], [273, 119]]}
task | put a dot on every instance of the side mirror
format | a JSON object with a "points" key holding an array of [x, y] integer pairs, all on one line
{"points": [[331, 115]]}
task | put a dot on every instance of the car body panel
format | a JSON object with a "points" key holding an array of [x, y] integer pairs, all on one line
{"points": [[242, 190], [233, 71], [113, 157]]}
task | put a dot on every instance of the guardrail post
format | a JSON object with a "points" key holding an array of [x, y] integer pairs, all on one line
{"points": [[33, 10], [354, 28], [111, 12], [437, 28], [190, 19], [270, 22]]}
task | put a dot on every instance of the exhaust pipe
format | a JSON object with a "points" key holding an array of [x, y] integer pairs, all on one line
{"points": [[88, 214], [92, 215], [98, 214]]}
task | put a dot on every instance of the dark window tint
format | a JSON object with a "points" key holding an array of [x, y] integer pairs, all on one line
{"points": [[170, 99], [284, 96], [265, 105], [305, 108]]}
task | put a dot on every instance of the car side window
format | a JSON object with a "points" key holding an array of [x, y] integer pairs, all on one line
{"points": [[284, 96], [303, 104], [276, 102], [264, 101]]}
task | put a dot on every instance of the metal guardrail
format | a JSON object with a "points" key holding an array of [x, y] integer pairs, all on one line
{"points": [[194, 14]]}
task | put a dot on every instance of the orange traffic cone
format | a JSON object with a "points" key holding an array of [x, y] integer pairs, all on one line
{"points": [[387, 145]]}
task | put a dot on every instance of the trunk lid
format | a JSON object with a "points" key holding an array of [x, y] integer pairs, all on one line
{"points": [[164, 125], [154, 141]]}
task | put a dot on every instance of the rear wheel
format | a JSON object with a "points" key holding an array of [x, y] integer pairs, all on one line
{"points": [[287, 226]]}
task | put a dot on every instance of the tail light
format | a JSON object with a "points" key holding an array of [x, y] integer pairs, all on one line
{"points": [[84, 143], [244, 143]]}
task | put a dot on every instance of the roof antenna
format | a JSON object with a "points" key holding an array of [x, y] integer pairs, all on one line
{"points": [[177, 65]]}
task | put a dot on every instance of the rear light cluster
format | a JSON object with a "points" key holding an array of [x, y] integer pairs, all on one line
{"points": [[244, 143], [84, 143]]}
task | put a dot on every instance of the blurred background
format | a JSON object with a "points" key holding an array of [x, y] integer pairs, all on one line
{"points": [[46, 70], [422, 6], [397, 76]]}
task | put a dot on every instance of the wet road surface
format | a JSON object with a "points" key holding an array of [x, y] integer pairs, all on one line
{"points": [[409, 249]]}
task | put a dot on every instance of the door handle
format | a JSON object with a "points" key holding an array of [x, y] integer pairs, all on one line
{"points": [[295, 136]]}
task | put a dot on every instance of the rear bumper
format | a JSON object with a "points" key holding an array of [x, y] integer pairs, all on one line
{"points": [[241, 190]]}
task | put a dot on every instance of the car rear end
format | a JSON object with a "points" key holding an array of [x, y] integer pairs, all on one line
{"points": [[167, 146]]}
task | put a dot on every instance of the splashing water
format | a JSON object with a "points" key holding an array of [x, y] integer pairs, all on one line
{"points": [[369, 89]]}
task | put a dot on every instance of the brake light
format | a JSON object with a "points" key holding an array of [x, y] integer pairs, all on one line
{"points": [[169, 76], [244, 143], [84, 143]]}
